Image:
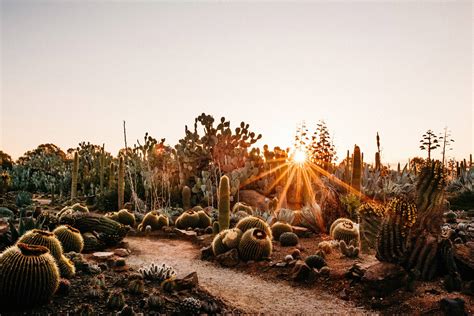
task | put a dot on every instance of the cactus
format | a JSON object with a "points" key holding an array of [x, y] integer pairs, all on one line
{"points": [[70, 238], [102, 170], [155, 221], [255, 244], [391, 241], [215, 228], [336, 222], [279, 228], [5, 212], [91, 242], [356, 168], [325, 246], [351, 251], [29, 275], [66, 268], [113, 216], [370, 221], [121, 183], [347, 231], [111, 176], [288, 239], [224, 203], [85, 310], [75, 175], [126, 218], [116, 300], [155, 302], [190, 306], [158, 273], [226, 240], [188, 219], [451, 217], [204, 219], [254, 222], [186, 197], [315, 262], [241, 206], [136, 286]]}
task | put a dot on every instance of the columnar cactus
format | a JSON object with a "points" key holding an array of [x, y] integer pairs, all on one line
{"points": [[121, 183], [75, 175], [188, 219], [102, 170], [186, 197], [224, 203], [377, 161], [347, 231], [370, 222], [111, 176], [29, 275], [279, 228], [249, 222], [70, 238], [255, 245], [226, 240], [356, 168]]}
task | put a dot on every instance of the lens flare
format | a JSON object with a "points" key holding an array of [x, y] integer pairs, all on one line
{"points": [[299, 156]]}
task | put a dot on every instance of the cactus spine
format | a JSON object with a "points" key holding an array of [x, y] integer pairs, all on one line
{"points": [[186, 197], [75, 174], [356, 168], [224, 203], [121, 183]]}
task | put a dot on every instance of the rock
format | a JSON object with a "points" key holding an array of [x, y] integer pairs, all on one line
{"points": [[301, 231], [281, 264], [254, 199], [102, 255], [229, 258], [383, 278], [206, 253], [453, 307], [464, 256], [296, 253], [302, 272], [122, 252], [187, 234]]}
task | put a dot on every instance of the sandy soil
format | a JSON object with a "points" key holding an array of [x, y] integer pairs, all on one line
{"points": [[246, 292]]}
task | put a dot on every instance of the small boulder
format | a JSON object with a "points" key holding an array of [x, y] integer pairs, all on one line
{"points": [[383, 278], [102, 255], [206, 253], [187, 282], [122, 252], [302, 272], [229, 258]]}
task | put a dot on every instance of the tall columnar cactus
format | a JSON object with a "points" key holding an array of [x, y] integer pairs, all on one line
{"points": [[75, 175], [111, 176], [102, 170], [186, 197], [224, 203], [377, 161], [121, 183], [370, 222], [356, 168], [29, 275], [255, 245], [392, 239], [347, 169], [70, 238]]}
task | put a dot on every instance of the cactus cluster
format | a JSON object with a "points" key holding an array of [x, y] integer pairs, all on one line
{"points": [[116, 300], [154, 220], [345, 230], [190, 306], [158, 273], [29, 275], [226, 240], [279, 228], [126, 218], [189, 219], [288, 239], [370, 221], [351, 250], [136, 286], [255, 244], [250, 222], [70, 238]]}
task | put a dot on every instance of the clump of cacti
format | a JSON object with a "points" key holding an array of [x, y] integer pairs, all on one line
{"points": [[70, 238], [126, 218], [255, 244], [351, 250], [391, 241], [370, 221], [190, 306], [315, 261], [154, 220], [250, 222], [226, 240], [279, 228], [224, 203], [242, 207], [346, 230], [288, 239], [158, 273], [136, 286], [28, 274], [116, 300], [189, 219], [204, 219], [186, 197]]}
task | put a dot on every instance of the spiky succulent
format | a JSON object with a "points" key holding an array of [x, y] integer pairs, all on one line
{"points": [[255, 245], [370, 222], [315, 261], [337, 222], [347, 231], [241, 206], [91, 242], [288, 239], [155, 302], [350, 251], [158, 273], [136, 286], [224, 203], [66, 267], [279, 228], [190, 306], [116, 300], [126, 218], [28, 274], [204, 219], [226, 240], [70, 238], [250, 222], [188, 219]]}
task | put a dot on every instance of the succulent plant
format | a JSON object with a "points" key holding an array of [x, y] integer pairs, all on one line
{"points": [[190, 306], [337, 222], [325, 246], [226, 240], [155, 302], [121, 183], [224, 203], [186, 197], [5, 212], [451, 217], [188, 219], [94, 292], [70, 238], [204, 219], [155, 221], [325, 271], [241, 206], [279, 228], [356, 168], [370, 222], [75, 175], [78, 207], [136, 286], [255, 244], [98, 281], [116, 300], [347, 231], [29, 275], [66, 268], [43, 238], [127, 311], [126, 218], [250, 222], [112, 215], [91, 242], [288, 239], [351, 251], [158, 273], [215, 228], [315, 261]]}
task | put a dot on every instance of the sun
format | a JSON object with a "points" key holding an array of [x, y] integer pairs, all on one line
{"points": [[299, 156]]}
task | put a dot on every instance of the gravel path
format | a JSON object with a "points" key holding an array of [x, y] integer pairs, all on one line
{"points": [[244, 291]]}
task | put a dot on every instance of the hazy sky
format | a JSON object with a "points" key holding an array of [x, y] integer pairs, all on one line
{"points": [[73, 71]]}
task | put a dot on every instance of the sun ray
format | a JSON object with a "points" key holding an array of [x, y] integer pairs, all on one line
{"points": [[287, 185], [259, 176]]}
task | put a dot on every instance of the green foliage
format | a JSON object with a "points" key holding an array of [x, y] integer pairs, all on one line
{"points": [[351, 203], [255, 245], [5, 181], [23, 199], [5, 212], [370, 222], [279, 228], [429, 142], [322, 150], [288, 239], [224, 203], [29, 275], [70, 238]]}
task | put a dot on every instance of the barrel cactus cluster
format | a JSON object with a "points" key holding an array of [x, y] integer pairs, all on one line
{"points": [[193, 219], [70, 238], [154, 220]]}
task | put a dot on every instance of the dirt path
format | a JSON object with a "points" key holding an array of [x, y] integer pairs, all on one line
{"points": [[244, 291]]}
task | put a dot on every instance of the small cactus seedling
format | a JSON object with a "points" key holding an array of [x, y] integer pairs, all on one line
{"points": [[350, 251], [116, 300]]}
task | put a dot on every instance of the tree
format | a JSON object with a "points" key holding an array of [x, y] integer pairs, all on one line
{"points": [[447, 141], [322, 149], [429, 142]]}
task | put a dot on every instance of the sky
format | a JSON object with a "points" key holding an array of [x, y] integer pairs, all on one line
{"points": [[73, 71]]}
